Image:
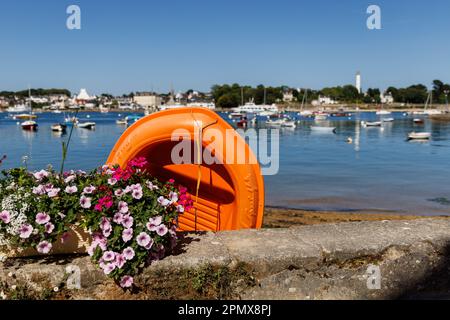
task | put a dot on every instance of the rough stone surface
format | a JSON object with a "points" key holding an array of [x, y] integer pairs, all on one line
{"points": [[328, 261]]}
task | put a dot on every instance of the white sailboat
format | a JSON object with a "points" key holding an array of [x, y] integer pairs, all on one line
{"points": [[29, 125], [428, 110], [303, 112]]}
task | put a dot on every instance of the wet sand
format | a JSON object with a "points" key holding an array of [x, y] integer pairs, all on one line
{"points": [[285, 218]]}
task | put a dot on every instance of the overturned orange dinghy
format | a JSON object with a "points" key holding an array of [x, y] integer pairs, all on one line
{"points": [[230, 192]]}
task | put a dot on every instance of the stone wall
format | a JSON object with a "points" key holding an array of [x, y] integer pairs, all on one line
{"points": [[408, 259]]}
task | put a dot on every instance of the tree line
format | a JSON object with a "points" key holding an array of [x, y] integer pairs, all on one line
{"points": [[231, 96], [34, 92]]}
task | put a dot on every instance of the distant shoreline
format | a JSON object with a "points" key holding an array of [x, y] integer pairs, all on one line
{"points": [[275, 217]]}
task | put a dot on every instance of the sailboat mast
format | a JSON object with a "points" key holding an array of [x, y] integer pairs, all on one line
{"points": [[29, 99], [265, 95]]}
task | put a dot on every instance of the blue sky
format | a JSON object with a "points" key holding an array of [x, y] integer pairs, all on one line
{"points": [[136, 45]]}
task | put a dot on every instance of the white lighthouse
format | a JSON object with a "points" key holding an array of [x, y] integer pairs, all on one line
{"points": [[358, 81]]}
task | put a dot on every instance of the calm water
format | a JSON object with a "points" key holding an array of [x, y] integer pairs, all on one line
{"points": [[379, 171]]}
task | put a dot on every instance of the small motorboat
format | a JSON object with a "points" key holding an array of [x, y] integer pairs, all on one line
{"points": [[321, 116], [323, 129], [29, 125], [419, 136], [59, 127], [274, 123], [289, 124], [418, 121], [25, 117], [388, 120], [86, 125], [71, 120], [122, 122], [235, 115], [371, 124], [133, 118]]}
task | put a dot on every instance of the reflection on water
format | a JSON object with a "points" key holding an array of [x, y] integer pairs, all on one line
{"points": [[378, 170]]}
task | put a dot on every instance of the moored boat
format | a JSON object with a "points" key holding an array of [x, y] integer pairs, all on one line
{"points": [[25, 117], [388, 120], [86, 125], [289, 124], [323, 129], [419, 136], [29, 125], [123, 121], [371, 124], [274, 123], [321, 116], [59, 127], [418, 121]]}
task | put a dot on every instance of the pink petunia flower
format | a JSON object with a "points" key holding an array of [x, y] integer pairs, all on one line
{"points": [[89, 190], [120, 261], [39, 190], [85, 202], [173, 197], [123, 207], [49, 227], [149, 245], [42, 218], [163, 201], [44, 247], [118, 218], [69, 179], [126, 281], [127, 235], [41, 175], [118, 193], [5, 217], [180, 208], [112, 181], [128, 253], [162, 230], [71, 189], [108, 268], [53, 192], [127, 221], [143, 239], [156, 220], [137, 194], [108, 256]]}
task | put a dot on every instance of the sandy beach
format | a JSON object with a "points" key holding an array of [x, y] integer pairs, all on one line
{"points": [[284, 218]]}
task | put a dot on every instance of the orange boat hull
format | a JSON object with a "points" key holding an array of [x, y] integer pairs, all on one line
{"points": [[231, 195]]}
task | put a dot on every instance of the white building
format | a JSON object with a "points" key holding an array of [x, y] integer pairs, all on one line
{"points": [[147, 100], [358, 82], [326, 100], [288, 96], [83, 97], [387, 98]]}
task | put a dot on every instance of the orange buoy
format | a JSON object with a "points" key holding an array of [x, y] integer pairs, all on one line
{"points": [[230, 191]]}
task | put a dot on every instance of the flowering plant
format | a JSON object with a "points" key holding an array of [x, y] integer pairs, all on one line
{"points": [[131, 216], [36, 209]]}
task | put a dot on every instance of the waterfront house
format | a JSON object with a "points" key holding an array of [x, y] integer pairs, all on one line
{"points": [[147, 99]]}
